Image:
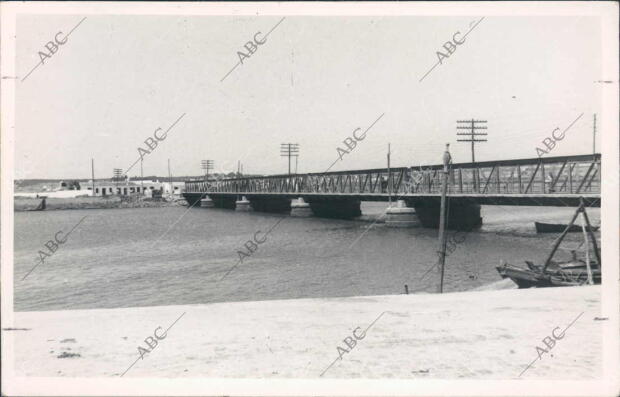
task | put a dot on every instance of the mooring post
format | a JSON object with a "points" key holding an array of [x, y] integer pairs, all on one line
{"points": [[389, 186], [442, 215], [587, 249]]}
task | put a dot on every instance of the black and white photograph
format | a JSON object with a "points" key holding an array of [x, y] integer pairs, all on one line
{"points": [[310, 198]]}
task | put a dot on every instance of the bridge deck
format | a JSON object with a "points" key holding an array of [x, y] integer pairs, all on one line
{"points": [[552, 181]]}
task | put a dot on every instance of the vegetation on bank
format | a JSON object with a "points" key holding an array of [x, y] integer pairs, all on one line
{"points": [[89, 202]]}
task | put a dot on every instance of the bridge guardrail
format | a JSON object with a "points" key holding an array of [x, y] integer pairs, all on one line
{"points": [[571, 175]]}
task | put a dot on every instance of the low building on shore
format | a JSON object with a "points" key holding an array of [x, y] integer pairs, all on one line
{"points": [[145, 188], [127, 187]]}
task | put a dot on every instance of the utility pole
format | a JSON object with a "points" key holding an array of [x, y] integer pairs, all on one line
{"points": [[289, 150], [442, 216], [594, 136], [92, 170], [141, 176], [389, 178], [117, 175], [207, 165], [473, 138], [170, 178]]}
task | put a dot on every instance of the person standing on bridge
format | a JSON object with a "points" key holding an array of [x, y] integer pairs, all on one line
{"points": [[447, 158]]}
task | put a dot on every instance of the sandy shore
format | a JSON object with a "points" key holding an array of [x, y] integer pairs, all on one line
{"points": [[479, 335], [70, 203]]}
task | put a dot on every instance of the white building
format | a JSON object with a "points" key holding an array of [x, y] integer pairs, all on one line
{"points": [[146, 188], [174, 188]]}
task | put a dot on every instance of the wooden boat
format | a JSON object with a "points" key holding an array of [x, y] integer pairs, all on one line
{"points": [[557, 274], [524, 278], [560, 274], [559, 228], [41, 206]]}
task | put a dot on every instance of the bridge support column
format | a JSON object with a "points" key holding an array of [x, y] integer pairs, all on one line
{"points": [[192, 198], [336, 208], [207, 202], [243, 204], [227, 202], [300, 208], [400, 215], [270, 204], [461, 215]]}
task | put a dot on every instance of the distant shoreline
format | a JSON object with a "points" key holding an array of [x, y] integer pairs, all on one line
{"points": [[26, 204]]}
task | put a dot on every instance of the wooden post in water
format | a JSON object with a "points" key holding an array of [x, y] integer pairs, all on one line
{"points": [[92, 169], [587, 248], [442, 217], [592, 237], [170, 180], [389, 186], [557, 242], [594, 135]]}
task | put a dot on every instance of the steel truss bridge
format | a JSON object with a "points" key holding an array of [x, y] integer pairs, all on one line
{"points": [[546, 181]]}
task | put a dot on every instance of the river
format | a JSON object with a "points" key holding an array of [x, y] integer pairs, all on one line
{"points": [[172, 255]]}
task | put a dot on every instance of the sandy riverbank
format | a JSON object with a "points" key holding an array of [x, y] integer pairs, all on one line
{"points": [[68, 203], [479, 335]]}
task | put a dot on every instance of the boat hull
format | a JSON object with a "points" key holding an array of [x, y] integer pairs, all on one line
{"points": [[556, 275], [524, 278], [559, 228]]}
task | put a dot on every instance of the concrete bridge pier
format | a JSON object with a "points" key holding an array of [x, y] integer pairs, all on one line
{"points": [[207, 202], [243, 204], [299, 208], [227, 202], [341, 208], [270, 204], [462, 215], [192, 198], [400, 215]]}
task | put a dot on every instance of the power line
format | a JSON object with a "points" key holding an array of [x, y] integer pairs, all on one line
{"points": [[594, 136], [473, 138], [118, 173], [289, 150], [206, 165]]}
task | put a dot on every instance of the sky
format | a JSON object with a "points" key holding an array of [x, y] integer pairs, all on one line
{"points": [[314, 81]]}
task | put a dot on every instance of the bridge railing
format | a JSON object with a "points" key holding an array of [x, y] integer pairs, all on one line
{"points": [[556, 175]]}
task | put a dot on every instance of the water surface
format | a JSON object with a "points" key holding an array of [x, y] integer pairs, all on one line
{"points": [[119, 258]]}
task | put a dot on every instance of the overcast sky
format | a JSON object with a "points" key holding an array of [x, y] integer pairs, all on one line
{"points": [[315, 80]]}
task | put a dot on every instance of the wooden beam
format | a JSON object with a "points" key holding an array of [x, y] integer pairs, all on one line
{"points": [[557, 178], [594, 243], [527, 189], [542, 178], [430, 181], [400, 179], [583, 180], [365, 182], [497, 179], [592, 178], [486, 184], [557, 242], [417, 184]]}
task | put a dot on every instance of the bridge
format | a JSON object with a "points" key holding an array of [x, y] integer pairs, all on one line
{"points": [[545, 181]]}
